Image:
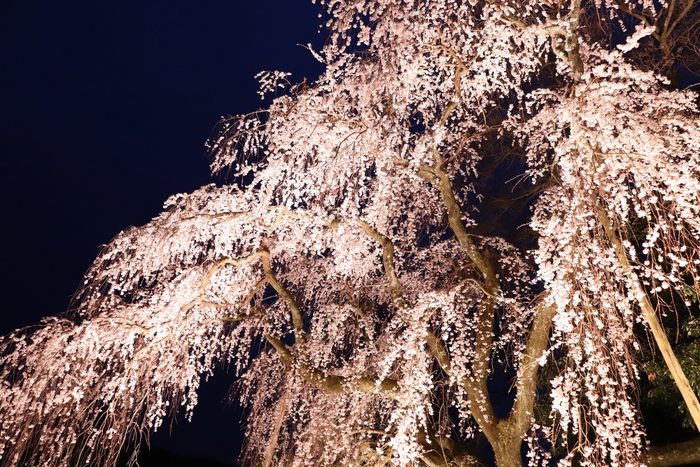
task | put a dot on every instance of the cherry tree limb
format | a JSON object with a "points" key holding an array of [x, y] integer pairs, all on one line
{"points": [[388, 261], [330, 382], [649, 314]]}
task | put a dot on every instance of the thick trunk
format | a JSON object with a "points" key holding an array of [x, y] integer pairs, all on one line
{"points": [[507, 451]]}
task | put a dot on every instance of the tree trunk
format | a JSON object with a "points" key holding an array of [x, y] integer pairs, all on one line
{"points": [[507, 451]]}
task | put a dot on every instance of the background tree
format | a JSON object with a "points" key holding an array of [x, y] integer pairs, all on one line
{"points": [[472, 193]]}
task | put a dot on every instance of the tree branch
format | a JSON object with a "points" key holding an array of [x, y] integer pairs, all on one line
{"points": [[297, 317], [477, 384], [333, 383], [388, 261], [519, 419], [649, 314], [438, 348]]}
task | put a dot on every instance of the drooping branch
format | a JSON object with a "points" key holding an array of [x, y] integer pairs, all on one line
{"points": [[321, 379], [649, 314], [388, 261], [451, 452], [297, 317], [477, 383], [330, 382], [437, 346]]}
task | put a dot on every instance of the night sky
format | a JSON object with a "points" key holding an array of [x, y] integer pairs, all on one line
{"points": [[105, 107]]}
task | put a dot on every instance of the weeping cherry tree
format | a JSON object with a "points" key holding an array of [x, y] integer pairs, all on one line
{"points": [[474, 194]]}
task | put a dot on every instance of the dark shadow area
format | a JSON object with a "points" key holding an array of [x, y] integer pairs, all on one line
{"points": [[161, 458]]}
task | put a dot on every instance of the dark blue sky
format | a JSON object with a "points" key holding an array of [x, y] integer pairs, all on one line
{"points": [[104, 110]]}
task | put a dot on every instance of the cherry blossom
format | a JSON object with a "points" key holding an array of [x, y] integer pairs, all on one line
{"points": [[354, 275]]}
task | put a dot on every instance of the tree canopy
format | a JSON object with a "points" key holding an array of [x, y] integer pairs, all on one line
{"points": [[453, 242]]}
